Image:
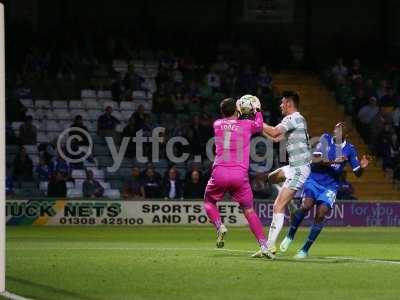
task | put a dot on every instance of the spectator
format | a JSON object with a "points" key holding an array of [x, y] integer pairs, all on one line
{"points": [[57, 187], [129, 132], [369, 112], [27, 132], [139, 117], [9, 186], [260, 187], [107, 123], [339, 70], [11, 137], [23, 166], [133, 187], [62, 166], [172, 187], [264, 80], [194, 187], [396, 120], [44, 170], [152, 184], [213, 80], [117, 88], [91, 187], [78, 123], [150, 165]]}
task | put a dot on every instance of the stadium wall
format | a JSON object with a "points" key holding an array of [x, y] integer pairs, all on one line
{"points": [[52, 212]]}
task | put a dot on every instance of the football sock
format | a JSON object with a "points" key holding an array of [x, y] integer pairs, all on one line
{"points": [[312, 236], [256, 227], [213, 214], [297, 218], [275, 228]]}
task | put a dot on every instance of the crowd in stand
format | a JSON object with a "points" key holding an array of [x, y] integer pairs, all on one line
{"points": [[372, 99], [185, 102]]}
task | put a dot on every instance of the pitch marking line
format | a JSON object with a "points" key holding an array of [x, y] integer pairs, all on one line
{"points": [[345, 258], [12, 296]]}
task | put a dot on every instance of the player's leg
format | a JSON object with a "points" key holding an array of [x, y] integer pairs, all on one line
{"points": [[325, 202], [277, 176], [296, 219], [278, 217], [213, 193], [316, 228], [242, 193]]}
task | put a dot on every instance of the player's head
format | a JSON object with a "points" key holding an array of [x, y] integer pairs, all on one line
{"points": [[340, 132], [228, 107], [290, 102]]}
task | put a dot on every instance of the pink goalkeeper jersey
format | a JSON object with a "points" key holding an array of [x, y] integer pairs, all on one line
{"points": [[232, 141]]}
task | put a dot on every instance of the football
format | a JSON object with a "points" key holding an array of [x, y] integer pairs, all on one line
{"points": [[245, 105]]}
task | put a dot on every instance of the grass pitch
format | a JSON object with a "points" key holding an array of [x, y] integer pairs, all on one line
{"points": [[120, 263]]}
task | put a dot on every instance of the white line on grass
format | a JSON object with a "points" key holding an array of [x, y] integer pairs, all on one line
{"points": [[12, 296], [378, 261], [344, 258]]}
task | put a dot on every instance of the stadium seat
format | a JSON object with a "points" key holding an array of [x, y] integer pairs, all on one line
{"points": [[127, 105], [74, 193], [91, 126], [78, 183], [28, 103], [104, 94], [60, 104], [117, 114], [90, 103], [94, 114], [64, 124], [76, 104], [88, 94], [120, 66], [126, 114], [138, 95], [113, 104], [70, 185], [62, 114], [45, 104], [105, 185], [78, 174], [52, 125], [31, 149], [112, 194], [30, 112], [42, 137], [16, 126]]}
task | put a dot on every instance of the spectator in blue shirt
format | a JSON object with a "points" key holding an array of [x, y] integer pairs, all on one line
{"points": [[62, 166], [44, 170]]}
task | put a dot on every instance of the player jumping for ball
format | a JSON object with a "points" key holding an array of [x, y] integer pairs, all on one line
{"points": [[230, 169], [329, 160], [293, 128]]}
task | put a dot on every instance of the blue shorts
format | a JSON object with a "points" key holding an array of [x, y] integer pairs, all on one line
{"points": [[319, 193]]}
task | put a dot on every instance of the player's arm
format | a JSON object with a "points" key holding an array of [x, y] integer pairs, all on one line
{"points": [[358, 166], [257, 123], [275, 140], [318, 156], [273, 132], [318, 159]]}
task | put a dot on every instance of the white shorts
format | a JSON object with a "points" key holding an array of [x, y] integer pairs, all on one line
{"points": [[296, 176]]}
